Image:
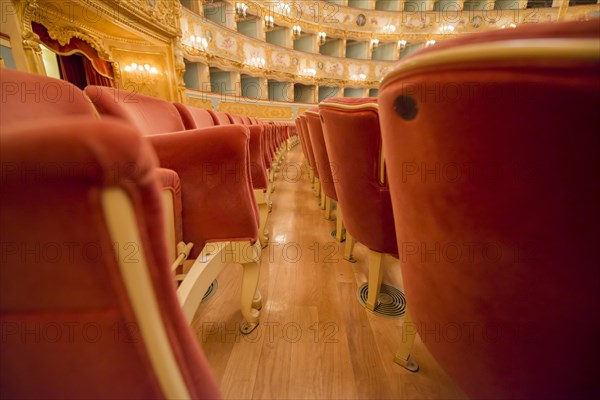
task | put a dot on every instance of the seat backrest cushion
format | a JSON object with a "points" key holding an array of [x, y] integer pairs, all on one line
{"points": [[149, 115], [315, 130], [498, 211], [72, 331], [220, 117], [25, 96], [353, 141], [236, 119], [194, 117]]}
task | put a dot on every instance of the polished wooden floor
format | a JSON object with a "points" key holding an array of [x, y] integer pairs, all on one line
{"points": [[315, 340]]}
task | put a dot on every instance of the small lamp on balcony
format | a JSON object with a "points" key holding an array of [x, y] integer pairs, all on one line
{"points": [[269, 22], [322, 37], [296, 31]]}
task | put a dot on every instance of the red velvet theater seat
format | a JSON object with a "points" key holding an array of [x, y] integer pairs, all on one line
{"points": [[259, 175], [28, 96], [159, 120], [313, 172], [301, 137], [88, 306], [314, 149], [353, 140], [220, 117], [492, 148], [213, 165], [315, 130], [279, 147], [193, 117]]}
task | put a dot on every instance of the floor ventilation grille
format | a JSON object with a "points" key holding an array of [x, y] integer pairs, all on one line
{"points": [[392, 303], [210, 291]]}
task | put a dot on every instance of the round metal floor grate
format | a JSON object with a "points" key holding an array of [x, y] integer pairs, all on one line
{"points": [[392, 303], [210, 291]]}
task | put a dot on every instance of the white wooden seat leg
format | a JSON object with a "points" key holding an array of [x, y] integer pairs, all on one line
{"points": [[349, 248], [328, 208], [317, 187], [409, 333], [268, 196], [272, 177], [263, 208], [248, 254], [204, 271], [375, 278], [340, 230]]}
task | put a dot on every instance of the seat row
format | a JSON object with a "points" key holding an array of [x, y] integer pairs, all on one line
{"points": [[478, 167], [109, 199]]}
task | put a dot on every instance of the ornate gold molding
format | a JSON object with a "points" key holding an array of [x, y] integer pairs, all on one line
{"points": [[257, 110], [232, 51], [302, 110], [200, 103], [156, 18], [60, 28], [31, 41], [342, 21]]}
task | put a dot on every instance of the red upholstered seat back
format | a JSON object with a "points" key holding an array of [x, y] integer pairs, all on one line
{"points": [[236, 119], [149, 115], [69, 325], [317, 140], [220, 118], [353, 141], [257, 165], [194, 117], [308, 145], [492, 155], [25, 96], [258, 168], [302, 139]]}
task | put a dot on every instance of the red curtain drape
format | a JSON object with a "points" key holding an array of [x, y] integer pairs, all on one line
{"points": [[72, 70], [97, 70], [93, 77]]}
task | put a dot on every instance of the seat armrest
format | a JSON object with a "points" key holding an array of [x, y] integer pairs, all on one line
{"points": [[170, 189], [217, 197], [257, 163]]}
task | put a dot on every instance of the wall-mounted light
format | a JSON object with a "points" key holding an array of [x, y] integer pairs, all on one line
{"points": [[241, 9], [389, 28], [140, 69], [198, 42], [258, 62], [296, 30], [359, 77], [309, 71], [508, 26], [447, 29], [144, 77], [402, 44], [322, 37], [429, 43], [269, 22], [374, 43]]}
